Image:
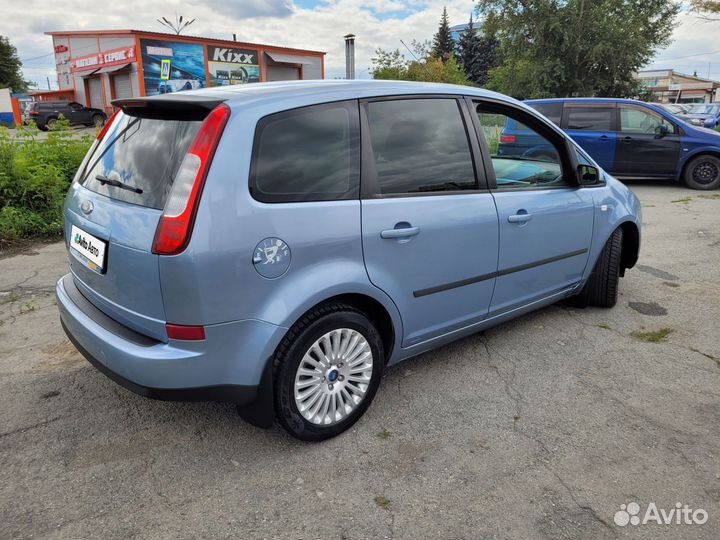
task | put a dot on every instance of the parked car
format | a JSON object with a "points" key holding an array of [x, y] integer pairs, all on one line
{"points": [[627, 138], [46, 113], [703, 114], [674, 108], [227, 243]]}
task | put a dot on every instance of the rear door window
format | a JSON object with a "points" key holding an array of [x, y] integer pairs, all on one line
{"points": [[589, 118], [143, 154], [420, 146]]}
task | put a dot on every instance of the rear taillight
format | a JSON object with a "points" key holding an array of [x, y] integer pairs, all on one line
{"points": [[176, 223], [34, 113], [508, 139], [186, 333], [107, 125]]}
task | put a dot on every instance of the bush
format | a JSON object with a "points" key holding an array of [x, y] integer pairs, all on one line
{"points": [[34, 178]]}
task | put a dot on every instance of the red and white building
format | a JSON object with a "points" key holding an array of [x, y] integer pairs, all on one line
{"points": [[95, 67]]}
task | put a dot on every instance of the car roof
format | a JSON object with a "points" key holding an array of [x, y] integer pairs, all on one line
{"points": [[289, 94]]}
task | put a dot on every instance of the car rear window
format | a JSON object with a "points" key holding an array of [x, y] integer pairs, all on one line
{"points": [[141, 153]]}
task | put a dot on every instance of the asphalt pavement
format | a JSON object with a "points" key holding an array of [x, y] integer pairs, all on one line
{"points": [[540, 428]]}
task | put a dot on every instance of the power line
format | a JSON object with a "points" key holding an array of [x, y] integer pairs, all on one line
{"points": [[688, 56], [36, 57]]}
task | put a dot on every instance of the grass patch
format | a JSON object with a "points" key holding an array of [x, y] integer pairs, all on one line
{"points": [[34, 178], [27, 307], [383, 502], [711, 197], [9, 299], [648, 206], [384, 434], [655, 336], [603, 326], [684, 200]]}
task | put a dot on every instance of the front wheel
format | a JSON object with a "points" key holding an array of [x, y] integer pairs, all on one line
{"points": [[601, 289], [703, 172], [326, 372]]}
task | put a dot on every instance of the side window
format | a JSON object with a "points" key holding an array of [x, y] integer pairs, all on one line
{"points": [[638, 121], [420, 146], [589, 118], [308, 154], [552, 111], [521, 157]]}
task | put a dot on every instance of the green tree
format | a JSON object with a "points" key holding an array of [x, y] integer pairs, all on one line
{"points": [[391, 65], [443, 43], [560, 48], [477, 54], [10, 67]]}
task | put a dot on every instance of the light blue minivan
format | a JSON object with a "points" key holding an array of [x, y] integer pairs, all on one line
{"points": [[277, 245]]}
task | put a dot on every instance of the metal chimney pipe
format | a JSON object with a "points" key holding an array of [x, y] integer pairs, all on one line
{"points": [[350, 56]]}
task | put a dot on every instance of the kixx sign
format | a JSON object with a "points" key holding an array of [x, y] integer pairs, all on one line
{"points": [[232, 56]]}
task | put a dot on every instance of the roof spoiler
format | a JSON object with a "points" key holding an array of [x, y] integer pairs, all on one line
{"points": [[169, 107]]}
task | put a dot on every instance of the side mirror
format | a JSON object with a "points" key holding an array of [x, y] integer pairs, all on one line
{"points": [[588, 175]]}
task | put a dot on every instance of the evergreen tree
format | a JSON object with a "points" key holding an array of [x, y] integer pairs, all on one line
{"points": [[10, 72], [443, 44], [488, 58], [476, 54]]}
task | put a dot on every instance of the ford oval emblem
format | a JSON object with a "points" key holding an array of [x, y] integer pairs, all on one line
{"points": [[86, 207]]}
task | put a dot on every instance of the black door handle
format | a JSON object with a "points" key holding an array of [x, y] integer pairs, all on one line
{"points": [[627, 139]]}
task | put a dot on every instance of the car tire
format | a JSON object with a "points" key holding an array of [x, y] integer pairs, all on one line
{"points": [[98, 120], [601, 289], [50, 123], [703, 172], [330, 378]]}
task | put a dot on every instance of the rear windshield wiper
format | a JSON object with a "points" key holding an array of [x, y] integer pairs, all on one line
{"points": [[104, 180]]}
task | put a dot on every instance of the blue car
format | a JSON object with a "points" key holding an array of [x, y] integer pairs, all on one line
{"points": [[629, 139], [276, 245], [703, 114]]}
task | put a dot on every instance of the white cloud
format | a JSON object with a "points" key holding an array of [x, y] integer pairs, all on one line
{"points": [[376, 23], [695, 47]]}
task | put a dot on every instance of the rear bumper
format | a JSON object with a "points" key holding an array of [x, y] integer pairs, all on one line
{"points": [[227, 366]]}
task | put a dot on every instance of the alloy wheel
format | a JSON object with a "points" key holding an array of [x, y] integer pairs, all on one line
{"points": [[333, 377]]}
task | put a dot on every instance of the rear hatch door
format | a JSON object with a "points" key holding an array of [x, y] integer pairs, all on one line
{"points": [[114, 205]]}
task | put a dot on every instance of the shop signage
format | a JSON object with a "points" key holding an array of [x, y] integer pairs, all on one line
{"points": [[107, 58], [232, 56]]}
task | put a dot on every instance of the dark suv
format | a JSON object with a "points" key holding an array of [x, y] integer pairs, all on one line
{"points": [[46, 113]]}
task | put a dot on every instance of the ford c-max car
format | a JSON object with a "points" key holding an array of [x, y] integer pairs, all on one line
{"points": [[277, 245]]}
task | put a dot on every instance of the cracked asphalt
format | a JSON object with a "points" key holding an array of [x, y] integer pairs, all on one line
{"points": [[539, 428]]}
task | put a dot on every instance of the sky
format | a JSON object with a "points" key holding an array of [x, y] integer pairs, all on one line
{"points": [[310, 24]]}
